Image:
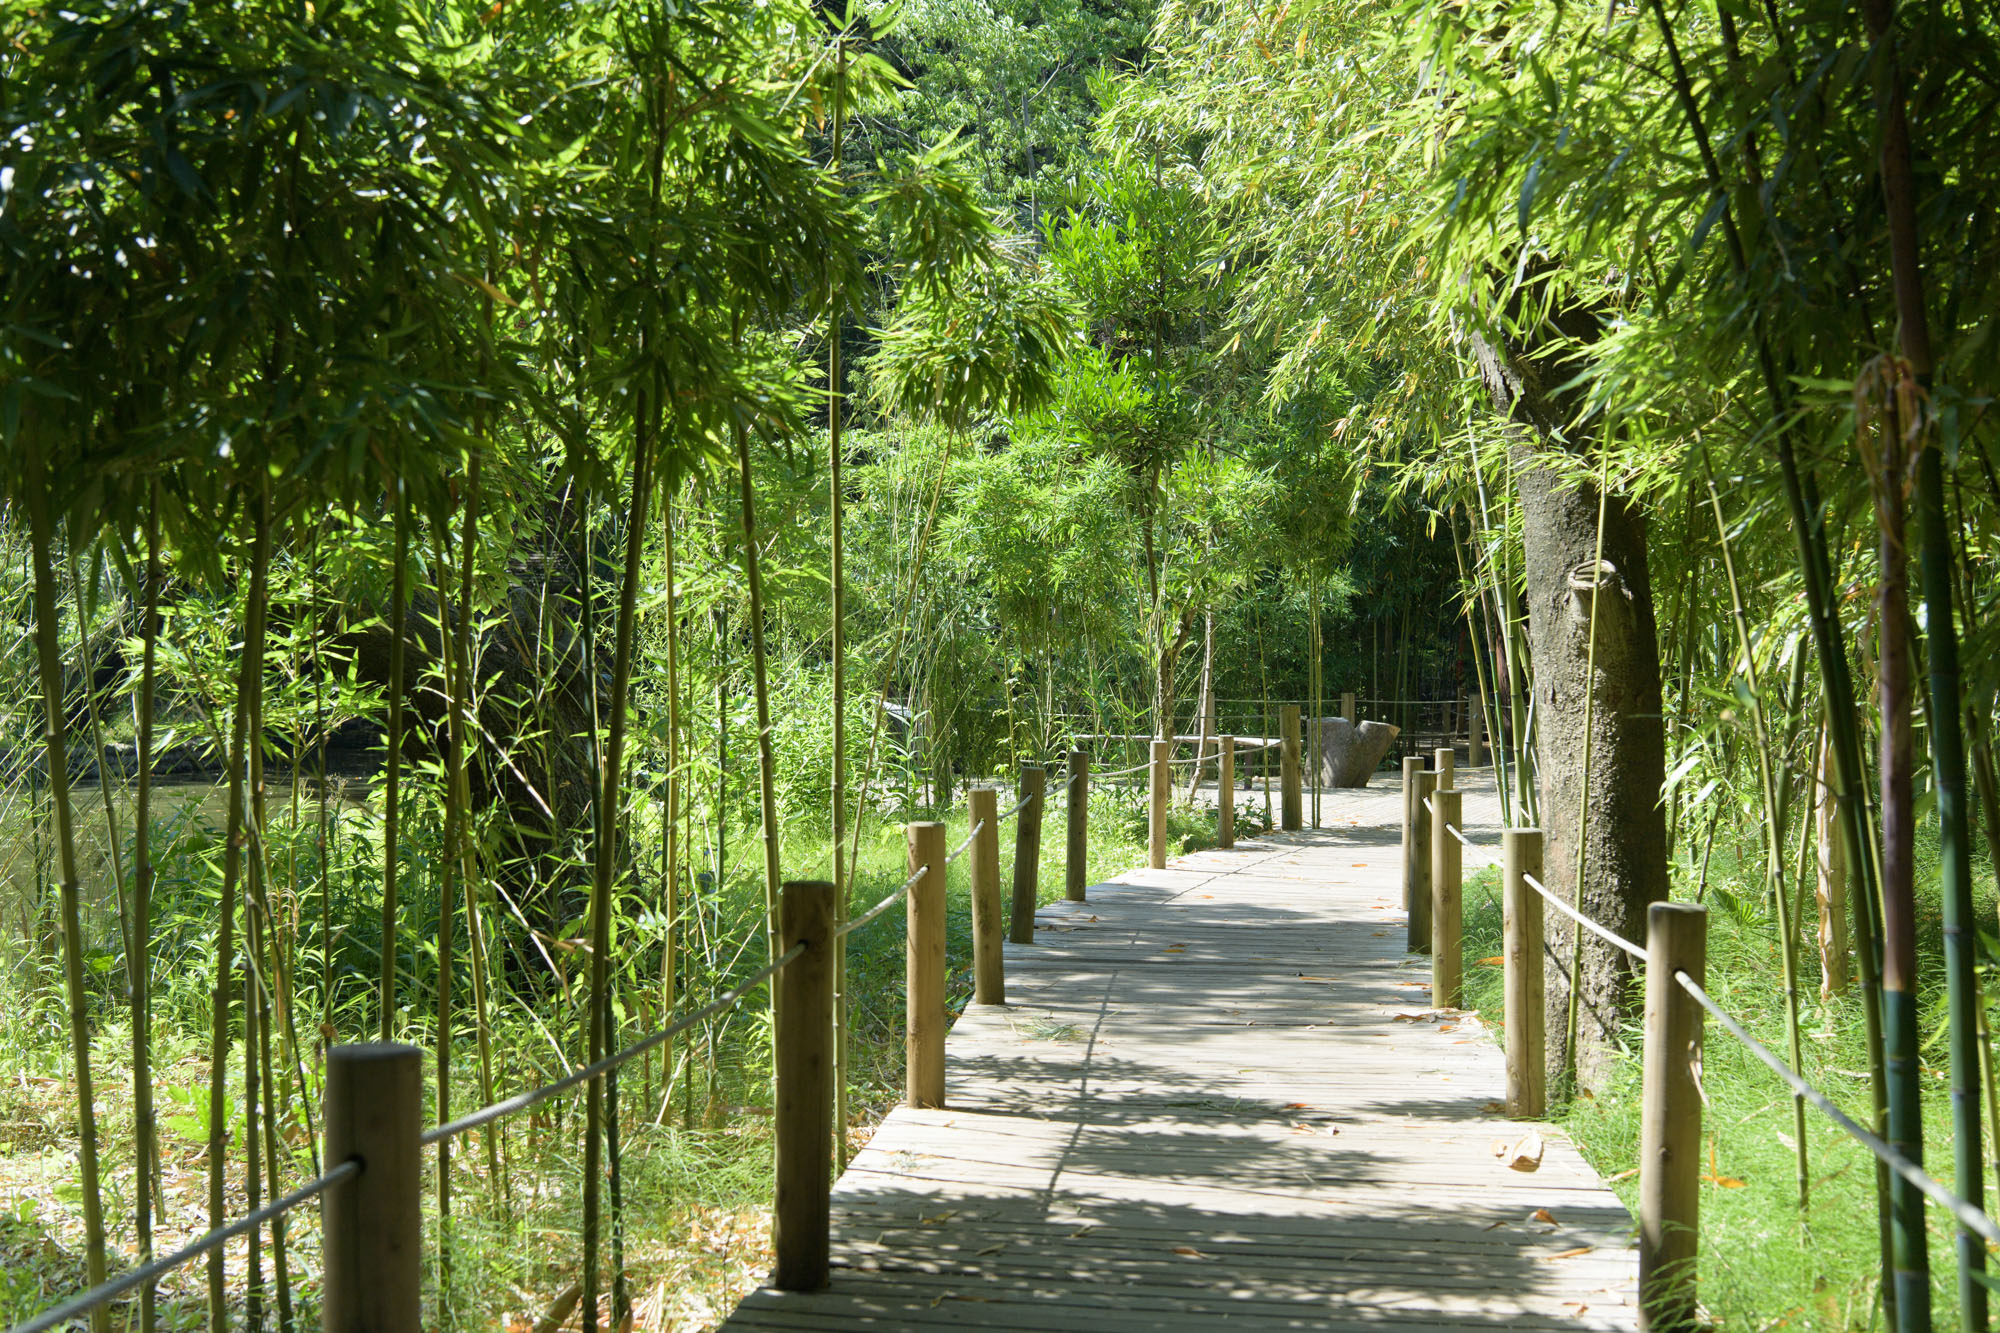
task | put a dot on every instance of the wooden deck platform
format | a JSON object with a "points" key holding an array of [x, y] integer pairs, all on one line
{"points": [[1217, 1096]]}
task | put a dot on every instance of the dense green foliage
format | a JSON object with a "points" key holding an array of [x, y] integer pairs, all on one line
{"points": [[439, 410]]}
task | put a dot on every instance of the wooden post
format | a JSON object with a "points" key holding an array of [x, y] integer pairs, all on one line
{"points": [[803, 1125], [1347, 706], [1527, 1087], [1670, 1158], [372, 1226], [1412, 766], [1420, 849], [1027, 856], [1445, 765], [1158, 778], [923, 1006], [989, 985], [1076, 852], [1288, 772], [1225, 792], [1447, 959], [1475, 735]]}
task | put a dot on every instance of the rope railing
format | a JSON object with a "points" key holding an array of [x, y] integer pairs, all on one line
{"points": [[1969, 1217], [965, 846], [393, 1114], [58, 1315], [1604, 933], [1672, 1098], [502, 1109], [858, 922]]}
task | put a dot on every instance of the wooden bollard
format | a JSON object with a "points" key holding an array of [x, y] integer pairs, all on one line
{"points": [[1670, 1159], [1225, 793], [1419, 886], [802, 1128], [1347, 707], [989, 984], [1076, 850], [1444, 767], [1292, 810], [1527, 1078], [1447, 903], [372, 1226], [923, 1006], [1159, 785], [1028, 854]]}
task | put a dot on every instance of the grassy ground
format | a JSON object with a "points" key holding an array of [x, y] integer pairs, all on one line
{"points": [[696, 1155], [1765, 1264]]}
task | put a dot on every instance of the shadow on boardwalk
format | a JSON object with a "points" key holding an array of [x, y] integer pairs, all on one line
{"points": [[1217, 1096]]}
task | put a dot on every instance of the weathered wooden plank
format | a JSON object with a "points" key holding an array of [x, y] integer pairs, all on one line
{"points": [[1218, 1096]]}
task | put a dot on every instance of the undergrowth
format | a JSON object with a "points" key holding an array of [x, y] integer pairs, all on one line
{"points": [[696, 1146], [1765, 1264]]}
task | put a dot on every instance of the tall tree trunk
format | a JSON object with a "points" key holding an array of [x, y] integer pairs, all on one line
{"points": [[1622, 844]]}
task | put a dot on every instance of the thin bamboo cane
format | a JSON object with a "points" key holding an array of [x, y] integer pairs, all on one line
{"points": [[1773, 828], [41, 540], [145, 1132]]}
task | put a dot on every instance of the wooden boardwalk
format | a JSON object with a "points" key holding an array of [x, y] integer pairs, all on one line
{"points": [[1217, 1095]]}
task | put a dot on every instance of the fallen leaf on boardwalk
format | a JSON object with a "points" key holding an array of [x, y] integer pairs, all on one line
{"points": [[1527, 1154], [1567, 1254], [1190, 1251], [1081, 1232], [1493, 1108], [940, 1219], [993, 1249], [1378, 934], [1543, 1215], [1581, 1308], [1447, 1027], [1497, 960], [1499, 1150], [1360, 865]]}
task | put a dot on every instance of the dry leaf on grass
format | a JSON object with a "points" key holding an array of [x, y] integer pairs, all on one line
{"points": [[1497, 960]]}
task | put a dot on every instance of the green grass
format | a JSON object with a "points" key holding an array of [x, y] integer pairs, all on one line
{"points": [[696, 1183], [1764, 1264]]}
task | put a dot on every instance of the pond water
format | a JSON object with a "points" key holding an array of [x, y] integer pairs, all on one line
{"points": [[183, 806]]}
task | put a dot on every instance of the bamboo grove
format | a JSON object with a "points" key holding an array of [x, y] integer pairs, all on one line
{"points": [[490, 490]]}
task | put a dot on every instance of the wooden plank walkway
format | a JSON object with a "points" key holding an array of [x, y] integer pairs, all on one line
{"points": [[1216, 1095]]}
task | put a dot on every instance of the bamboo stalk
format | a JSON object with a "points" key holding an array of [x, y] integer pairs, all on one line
{"points": [[604, 863], [392, 761], [1773, 833], [41, 540], [145, 1132]]}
